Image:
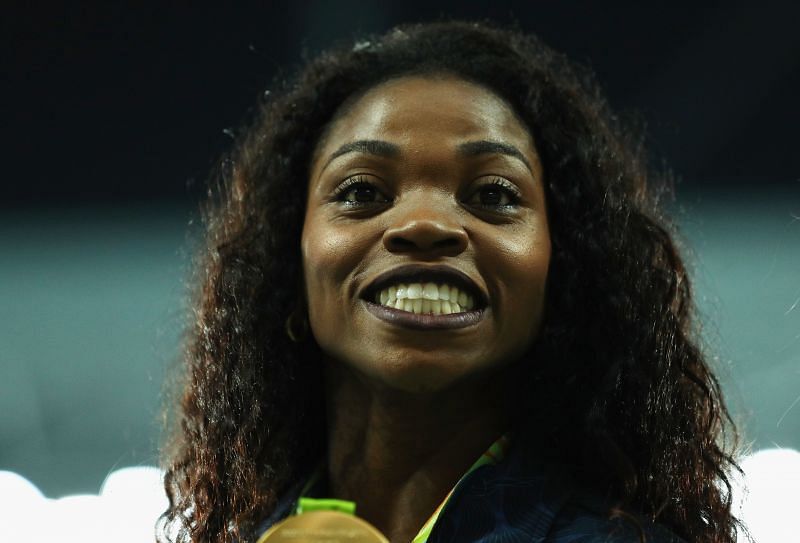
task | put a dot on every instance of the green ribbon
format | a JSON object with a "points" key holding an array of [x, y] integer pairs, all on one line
{"points": [[306, 505]]}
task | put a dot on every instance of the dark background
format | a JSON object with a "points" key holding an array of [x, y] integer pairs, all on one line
{"points": [[109, 103], [112, 116]]}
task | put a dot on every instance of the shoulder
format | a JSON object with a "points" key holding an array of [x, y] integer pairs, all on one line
{"points": [[518, 501], [579, 522]]}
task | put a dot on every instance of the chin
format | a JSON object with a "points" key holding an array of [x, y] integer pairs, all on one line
{"points": [[415, 378], [424, 375], [420, 382]]}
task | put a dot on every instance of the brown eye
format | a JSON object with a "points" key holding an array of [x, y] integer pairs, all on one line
{"points": [[499, 193], [356, 191], [361, 194], [493, 196]]}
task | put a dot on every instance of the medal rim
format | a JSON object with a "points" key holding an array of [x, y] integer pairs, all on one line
{"points": [[312, 517]]}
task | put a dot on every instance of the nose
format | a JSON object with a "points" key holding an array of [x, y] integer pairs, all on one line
{"points": [[426, 227]]}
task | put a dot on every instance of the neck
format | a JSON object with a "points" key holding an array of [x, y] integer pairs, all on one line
{"points": [[397, 454]]}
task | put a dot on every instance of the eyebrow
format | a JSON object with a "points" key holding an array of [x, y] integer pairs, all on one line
{"points": [[483, 147], [390, 150], [371, 147]]}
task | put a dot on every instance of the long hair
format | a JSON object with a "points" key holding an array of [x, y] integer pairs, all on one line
{"points": [[619, 388]]}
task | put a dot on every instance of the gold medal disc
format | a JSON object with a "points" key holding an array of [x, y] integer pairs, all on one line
{"points": [[323, 527]]}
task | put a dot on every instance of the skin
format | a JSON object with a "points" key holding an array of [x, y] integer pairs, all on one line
{"points": [[410, 410]]}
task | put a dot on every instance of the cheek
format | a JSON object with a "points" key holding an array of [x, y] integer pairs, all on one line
{"points": [[534, 258], [526, 262], [329, 257]]}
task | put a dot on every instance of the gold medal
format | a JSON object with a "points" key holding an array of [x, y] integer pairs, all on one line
{"points": [[323, 527]]}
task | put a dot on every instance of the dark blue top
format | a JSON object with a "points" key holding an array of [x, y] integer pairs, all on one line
{"points": [[521, 501]]}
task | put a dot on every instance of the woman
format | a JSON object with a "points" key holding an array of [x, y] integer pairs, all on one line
{"points": [[434, 247]]}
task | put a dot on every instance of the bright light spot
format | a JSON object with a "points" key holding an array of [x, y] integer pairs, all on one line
{"points": [[131, 499], [135, 498], [768, 500], [21, 505], [125, 510], [81, 517]]}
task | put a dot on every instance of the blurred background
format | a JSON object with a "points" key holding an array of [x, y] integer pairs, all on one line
{"points": [[112, 117]]}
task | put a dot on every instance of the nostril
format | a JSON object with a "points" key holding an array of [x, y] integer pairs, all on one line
{"points": [[447, 244], [443, 237], [401, 243]]}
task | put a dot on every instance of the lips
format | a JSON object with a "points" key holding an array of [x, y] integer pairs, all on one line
{"points": [[417, 273], [405, 319]]}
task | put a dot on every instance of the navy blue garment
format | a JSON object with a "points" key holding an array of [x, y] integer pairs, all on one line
{"points": [[520, 501]]}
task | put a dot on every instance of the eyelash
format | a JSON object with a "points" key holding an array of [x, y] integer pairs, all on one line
{"points": [[511, 191], [348, 185], [351, 183]]}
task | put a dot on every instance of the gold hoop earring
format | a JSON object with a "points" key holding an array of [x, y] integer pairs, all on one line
{"points": [[297, 325]]}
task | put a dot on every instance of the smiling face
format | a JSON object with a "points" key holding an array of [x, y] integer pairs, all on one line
{"points": [[438, 173]]}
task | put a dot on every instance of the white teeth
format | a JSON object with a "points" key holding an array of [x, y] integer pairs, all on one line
{"points": [[425, 298], [401, 291], [431, 292]]}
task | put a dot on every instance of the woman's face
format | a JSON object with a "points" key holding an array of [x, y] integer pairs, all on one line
{"points": [[424, 189]]}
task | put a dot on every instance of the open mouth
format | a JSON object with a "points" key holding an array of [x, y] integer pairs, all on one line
{"points": [[426, 297]]}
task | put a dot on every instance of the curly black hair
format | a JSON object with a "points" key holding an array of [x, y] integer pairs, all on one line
{"points": [[625, 394]]}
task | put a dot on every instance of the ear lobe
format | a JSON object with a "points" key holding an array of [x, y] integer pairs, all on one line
{"points": [[297, 324]]}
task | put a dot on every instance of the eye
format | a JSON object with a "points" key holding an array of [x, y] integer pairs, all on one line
{"points": [[357, 191], [498, 193]]}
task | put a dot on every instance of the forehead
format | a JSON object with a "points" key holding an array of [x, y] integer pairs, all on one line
{"points": [[418, 111]]}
